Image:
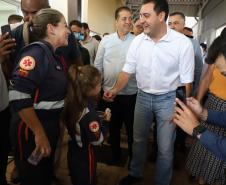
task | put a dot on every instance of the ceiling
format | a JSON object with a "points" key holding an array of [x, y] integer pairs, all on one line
{"points": [[188, 7]]}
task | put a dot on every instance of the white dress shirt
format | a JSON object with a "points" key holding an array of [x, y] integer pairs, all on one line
{"points": [[163, 66]]}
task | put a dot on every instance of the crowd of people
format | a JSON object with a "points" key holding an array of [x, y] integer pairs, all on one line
{"points": [[55, 76]]}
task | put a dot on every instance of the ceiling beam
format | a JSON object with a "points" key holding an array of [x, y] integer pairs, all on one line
{"points": [[13, 2]]}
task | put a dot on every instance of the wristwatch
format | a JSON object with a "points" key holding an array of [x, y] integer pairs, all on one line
{"points": [[197, 131]]}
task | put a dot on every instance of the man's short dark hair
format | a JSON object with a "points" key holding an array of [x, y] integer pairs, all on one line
{"points": [[159, 6], [85, 25], [178, 13], [14, 17], [119, 9], [76, 23]]}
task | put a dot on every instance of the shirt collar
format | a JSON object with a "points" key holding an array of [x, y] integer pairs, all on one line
{"points": [[126, 37], [166, 37]]}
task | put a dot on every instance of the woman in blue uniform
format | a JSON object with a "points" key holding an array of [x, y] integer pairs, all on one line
{"points": [[37, 91], [84, 126]]}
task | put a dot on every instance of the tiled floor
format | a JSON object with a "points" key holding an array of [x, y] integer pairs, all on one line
{"points": [[111, 175]]}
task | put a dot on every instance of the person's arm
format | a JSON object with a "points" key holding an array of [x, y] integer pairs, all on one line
{"points": [[187, 121], [214, 143], [6, 45], [188, 88], [198, 66], [217, 118], [22, 90], [122, 80], [205, 82], [211, 116], [29, 116], [186, 66]]}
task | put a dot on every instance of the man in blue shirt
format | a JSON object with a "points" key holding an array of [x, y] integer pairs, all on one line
{"points": [[110, 58]]}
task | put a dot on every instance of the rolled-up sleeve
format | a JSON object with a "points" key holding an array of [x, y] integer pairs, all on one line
{"points": [[24, 83], [186, 62], [130, 65]]}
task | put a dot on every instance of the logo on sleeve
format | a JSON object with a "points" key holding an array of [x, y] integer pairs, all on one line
{"points": [[94, 126], [27, 63]]}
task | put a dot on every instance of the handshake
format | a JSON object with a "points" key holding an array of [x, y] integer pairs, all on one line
{"points": [[106, 115]]}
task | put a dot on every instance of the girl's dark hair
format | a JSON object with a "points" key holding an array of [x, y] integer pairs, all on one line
{"points": [[81, 81], [217, 48], [42, 18]]}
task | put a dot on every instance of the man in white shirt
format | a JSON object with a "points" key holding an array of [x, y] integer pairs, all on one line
{"points": [[110, 59], [162, 60]]}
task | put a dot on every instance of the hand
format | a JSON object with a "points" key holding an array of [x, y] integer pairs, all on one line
{"points": [[42, 144], [107, 114], [194, 105], [109, 95], [184, 117], [6, 45]]}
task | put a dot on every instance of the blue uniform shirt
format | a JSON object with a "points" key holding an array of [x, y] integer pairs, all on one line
{"points": [[38, 81]]}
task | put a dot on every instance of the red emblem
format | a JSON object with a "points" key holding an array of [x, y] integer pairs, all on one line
{"points": [[27, 63], [94, 126]]}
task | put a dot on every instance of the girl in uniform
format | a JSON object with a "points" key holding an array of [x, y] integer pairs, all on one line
{"points": [[37, 92], [83, 123]]}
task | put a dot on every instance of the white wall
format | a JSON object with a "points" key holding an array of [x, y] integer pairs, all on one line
{"points": [[213, 17], [99, 14], [7, 9], [61, 5]]}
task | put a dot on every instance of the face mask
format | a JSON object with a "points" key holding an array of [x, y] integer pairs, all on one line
{"points": [[79, 36]]}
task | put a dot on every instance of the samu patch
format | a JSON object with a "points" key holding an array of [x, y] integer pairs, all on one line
{"points": [[94, 126], [27, 63]]}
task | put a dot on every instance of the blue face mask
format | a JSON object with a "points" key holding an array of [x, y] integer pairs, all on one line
{"points": [[79, 36]]}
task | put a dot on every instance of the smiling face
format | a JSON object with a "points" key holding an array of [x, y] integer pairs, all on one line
{"points": [[60, 33], [150, 20], [124, 22]]}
